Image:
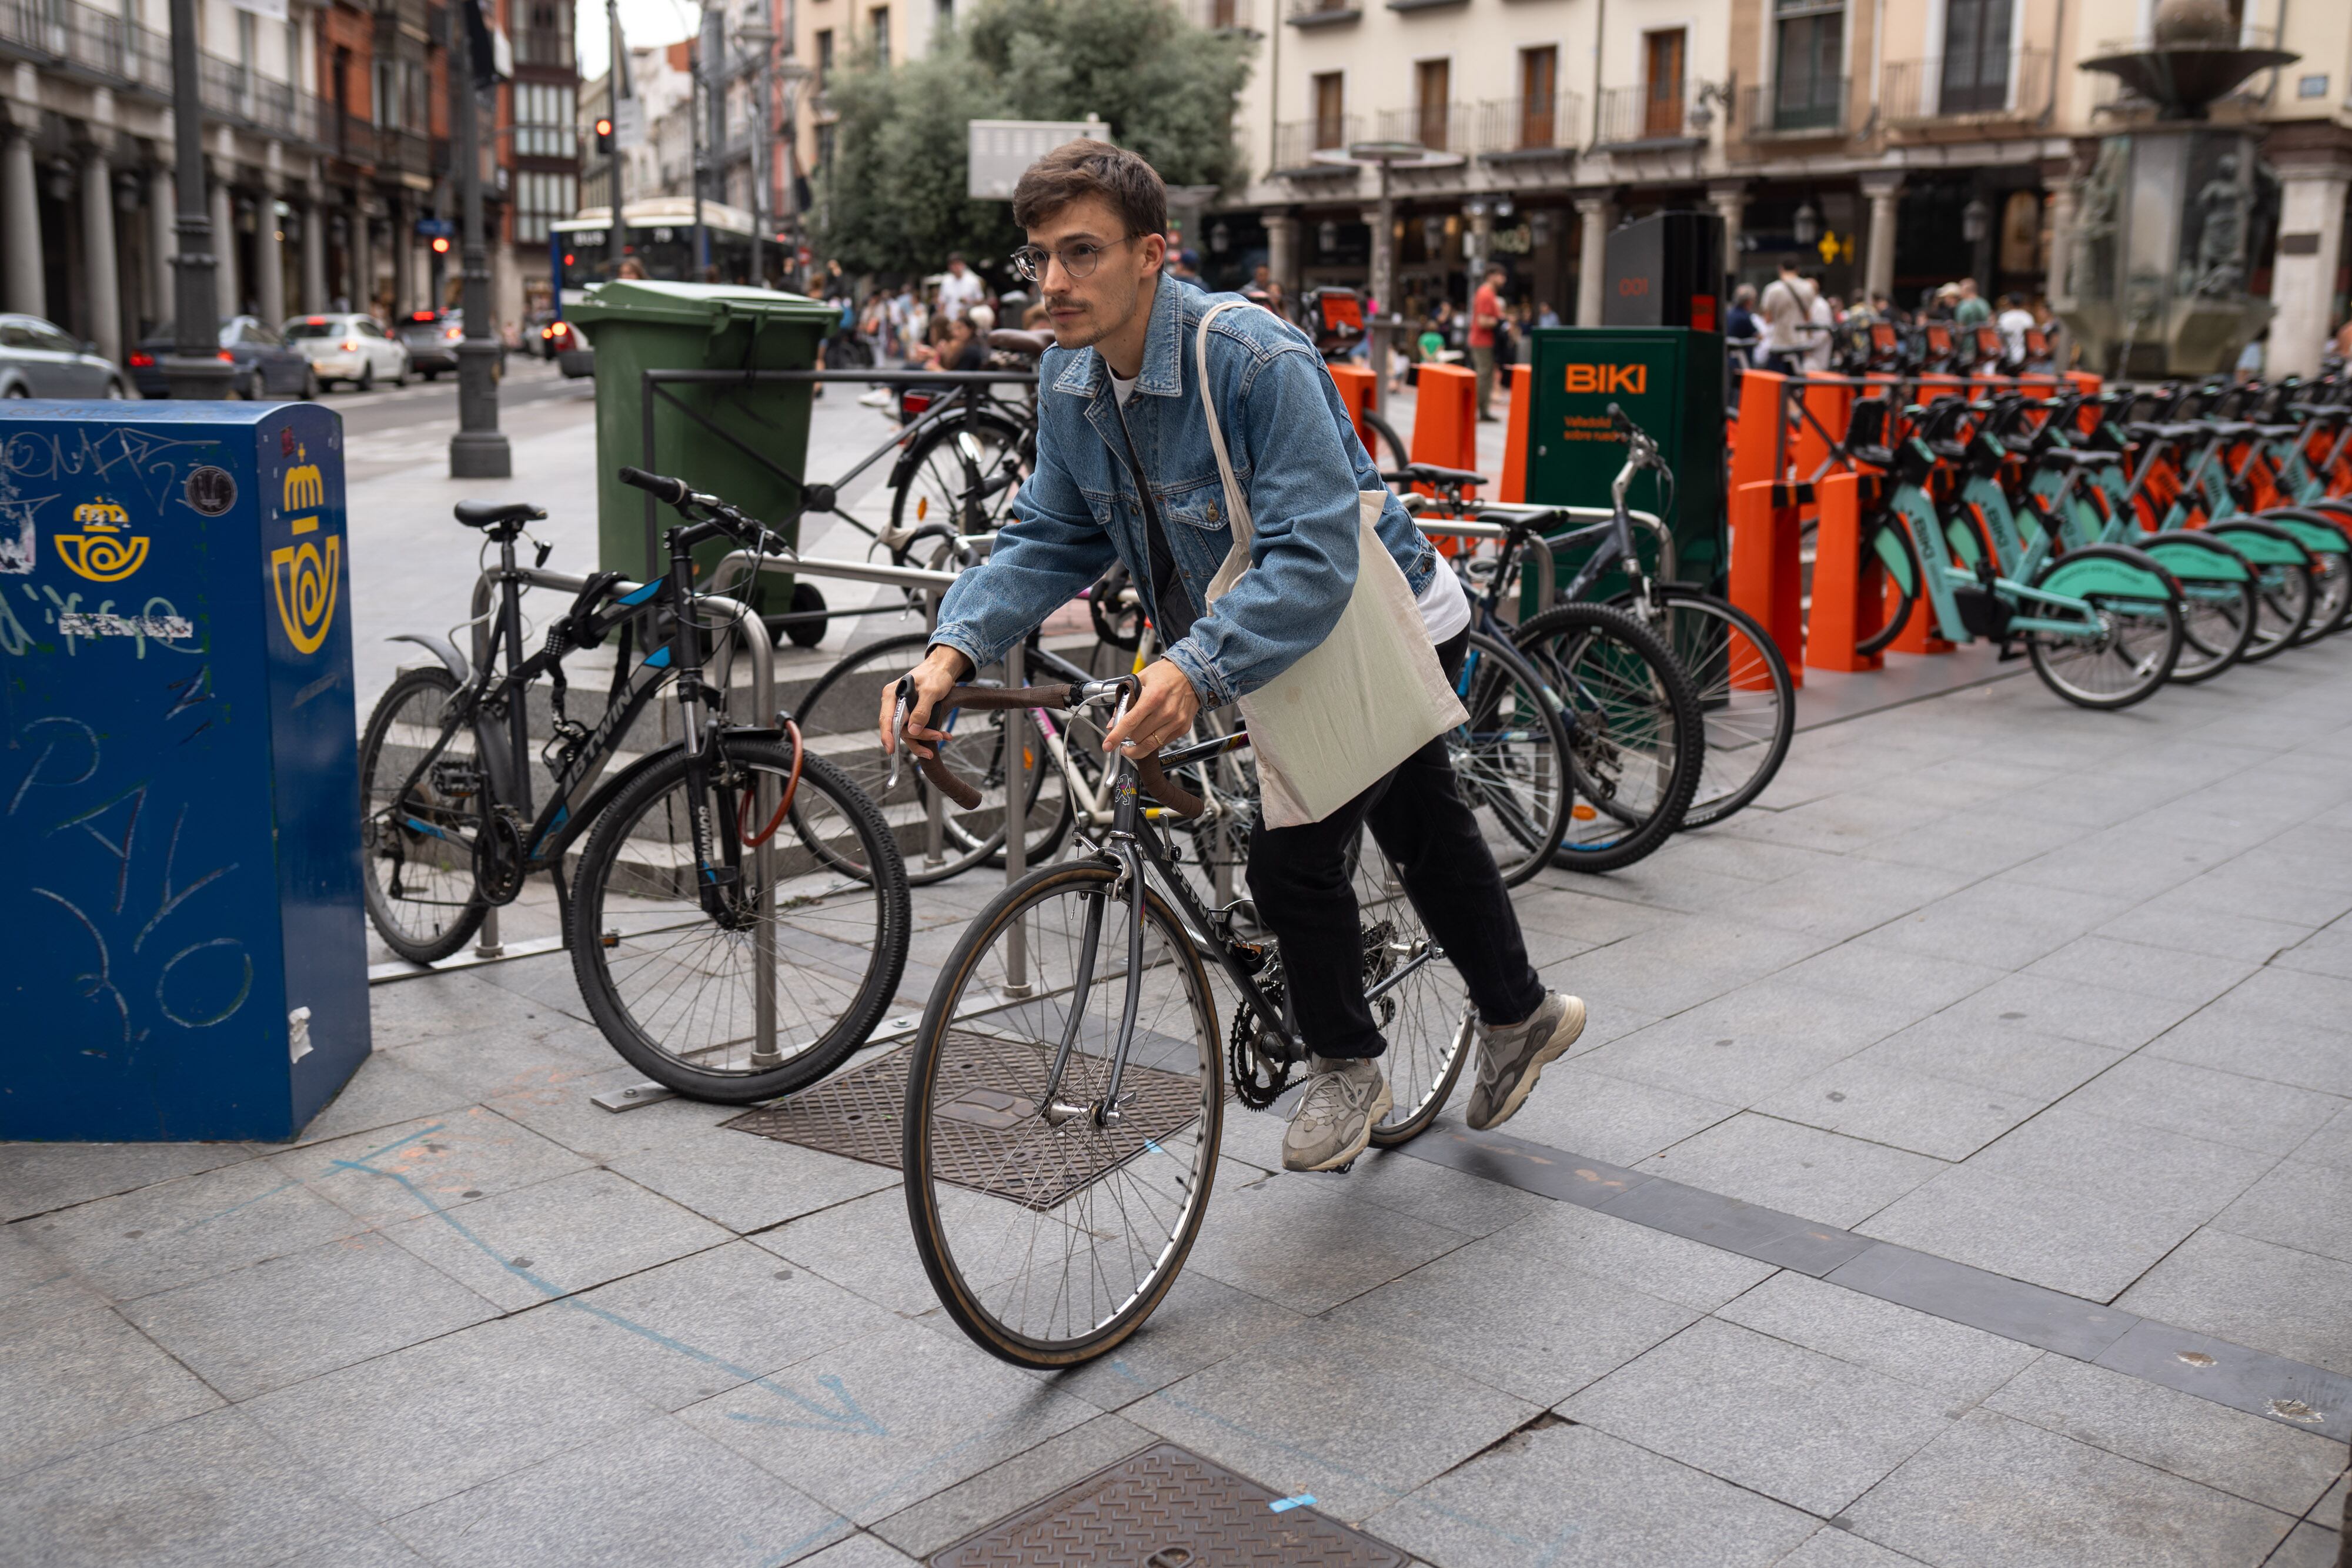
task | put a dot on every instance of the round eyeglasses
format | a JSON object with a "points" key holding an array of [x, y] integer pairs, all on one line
{"points": [[1078, 258]]}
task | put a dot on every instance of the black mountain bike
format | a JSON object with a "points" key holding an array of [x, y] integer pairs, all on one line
{"points": [[739, 919]]}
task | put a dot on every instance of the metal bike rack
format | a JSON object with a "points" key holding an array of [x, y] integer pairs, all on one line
{"points": [[1545, 568]]}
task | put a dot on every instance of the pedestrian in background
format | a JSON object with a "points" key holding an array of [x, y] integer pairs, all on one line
{"points": [[1969, 309], [1788, 306], [1486, 317], [961, 289], [1822, 316]]}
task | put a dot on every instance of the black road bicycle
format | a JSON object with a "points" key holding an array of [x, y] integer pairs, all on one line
{"points": [[1066, 1091], [739, 919]]}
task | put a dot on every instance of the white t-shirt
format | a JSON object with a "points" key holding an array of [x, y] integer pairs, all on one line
{"points": [[1444, 608], [958, 295], [1787, 303], [2014, 325]]}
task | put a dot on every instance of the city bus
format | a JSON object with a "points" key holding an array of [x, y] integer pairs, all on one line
{"points": [[660, 235]]}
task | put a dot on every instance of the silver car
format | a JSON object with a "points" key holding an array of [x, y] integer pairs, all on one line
{"points": [[37, 360], [348, 348]]}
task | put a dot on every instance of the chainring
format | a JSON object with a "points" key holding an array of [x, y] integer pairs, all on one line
{"points": [[1257, 1062], [499, 857]]}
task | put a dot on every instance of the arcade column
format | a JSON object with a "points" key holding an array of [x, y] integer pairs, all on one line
{"points": [[2310, 251]]}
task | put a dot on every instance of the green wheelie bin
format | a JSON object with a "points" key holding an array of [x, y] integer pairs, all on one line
{"points": [[757, 451]]}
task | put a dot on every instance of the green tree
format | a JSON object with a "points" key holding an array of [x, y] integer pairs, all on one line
{"points": [[894, 194]]}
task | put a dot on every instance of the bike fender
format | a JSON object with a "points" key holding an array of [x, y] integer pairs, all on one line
{"points": [[2112, 571], [2316, 534], [2264, 544], [440, 648], [2197, 558]]}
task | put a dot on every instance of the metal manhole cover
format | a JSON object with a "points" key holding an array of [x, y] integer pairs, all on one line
{"points": [[993, 1142], [1169, 1508]]}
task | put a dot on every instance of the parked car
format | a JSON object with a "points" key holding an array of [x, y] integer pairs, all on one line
{"points": [[37, 360], [548, 335], [266, 367], [349, 348]]}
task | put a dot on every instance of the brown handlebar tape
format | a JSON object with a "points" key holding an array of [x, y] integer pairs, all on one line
{"points": [[989, 697], [1148, 772]]}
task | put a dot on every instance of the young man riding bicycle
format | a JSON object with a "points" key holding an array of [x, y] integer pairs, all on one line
{"points": [[1119, 398]]}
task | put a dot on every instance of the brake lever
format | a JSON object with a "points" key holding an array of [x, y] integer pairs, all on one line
{"points": [[898, 730]]}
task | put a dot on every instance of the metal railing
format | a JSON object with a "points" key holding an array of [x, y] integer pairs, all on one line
{"points": [[1794, 106], [1921, 92], [69, 35], [542, 46], [1322, 13], [1535, 126], [1296, 145], [1222, 15], [1440, 127], [1656, 112]]}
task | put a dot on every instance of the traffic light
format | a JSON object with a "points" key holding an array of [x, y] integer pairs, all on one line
{"points": [[603, 136], [440, 244]]}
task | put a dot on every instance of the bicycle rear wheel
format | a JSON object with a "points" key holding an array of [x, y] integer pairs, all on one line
{"points": [[1511, 759], [1885, 541], [944, 465], [417, 851], [2126, 659], [1047, 1243], [1635, 737], [679, 992], [1747, 700]]}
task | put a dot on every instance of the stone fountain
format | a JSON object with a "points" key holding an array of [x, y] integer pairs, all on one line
{"points": [[2161, 249]]}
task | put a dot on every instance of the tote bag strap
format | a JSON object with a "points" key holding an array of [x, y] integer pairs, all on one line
{"points": [[1236, 503]]}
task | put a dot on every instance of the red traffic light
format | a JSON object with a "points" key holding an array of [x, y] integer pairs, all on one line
{"points": [[603, 128], [440, 244]]}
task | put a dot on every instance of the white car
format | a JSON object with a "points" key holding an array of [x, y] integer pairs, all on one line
{"points": [[348, 348]]}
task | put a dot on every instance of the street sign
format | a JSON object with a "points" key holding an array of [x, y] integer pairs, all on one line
{"points": [[1002, 150], [629, 123], [437, 228]]}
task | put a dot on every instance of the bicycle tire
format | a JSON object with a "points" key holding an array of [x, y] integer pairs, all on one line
{"points": [[988, 1066], [1510, 757], [2053, 654], [836, 719], [1907, 596], [1427, 1020], [2331, 597], [1398, 454], [1646, 685], [651, 1034], [2286, 588], [389, 741], [1746, 741], [912, 500], [2214, 654]]}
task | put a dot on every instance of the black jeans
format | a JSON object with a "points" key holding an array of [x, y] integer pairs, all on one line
{"points": [[1298, 877]]}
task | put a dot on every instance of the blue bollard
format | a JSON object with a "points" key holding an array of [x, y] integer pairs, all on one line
{"points": [[183, 954]]}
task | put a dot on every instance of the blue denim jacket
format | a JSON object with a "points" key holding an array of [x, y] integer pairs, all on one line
{"points": [[1294, 451]]}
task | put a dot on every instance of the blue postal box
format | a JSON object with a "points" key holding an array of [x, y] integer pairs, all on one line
{"points": [[184, 956]]}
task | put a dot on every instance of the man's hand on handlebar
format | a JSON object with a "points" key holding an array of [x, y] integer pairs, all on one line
{"points": [[1161, 713], [932, 679]]}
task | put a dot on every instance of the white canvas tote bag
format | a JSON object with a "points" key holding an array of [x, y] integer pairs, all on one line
{"points": [[1369, 695]]}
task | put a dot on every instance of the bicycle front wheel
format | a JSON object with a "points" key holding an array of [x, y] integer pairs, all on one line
{"points": [[769, 996], [1747, 700], [1511, 759], [1424, 1010], [1635, 737], [416, 840], [1049, 1236]]}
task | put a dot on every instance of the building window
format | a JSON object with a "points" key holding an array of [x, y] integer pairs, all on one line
{"points": [[880, 18], [824, 56], [1975, 78], [1663, 55], [1432, 90], [1539, 97], [1330, 110], [1809, 40], [541, 200], [545, 116]]}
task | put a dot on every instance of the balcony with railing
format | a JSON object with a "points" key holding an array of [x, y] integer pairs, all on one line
{"points": [[1323, 12], [1529, 129], [1223, 16], [543, 47], [1794, 107], [82, 39], [1439, 127], [1921, 94], [1654, 116], [1296, 145]]}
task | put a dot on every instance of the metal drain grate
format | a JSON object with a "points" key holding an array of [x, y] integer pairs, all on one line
{"points": [[858, 1114], [1169, 1508]]}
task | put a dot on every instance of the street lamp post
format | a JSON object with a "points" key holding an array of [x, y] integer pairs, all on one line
{"points": [[760, 40], [478, 450], [195, 369]]}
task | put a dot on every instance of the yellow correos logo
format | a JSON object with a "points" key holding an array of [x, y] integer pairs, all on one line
{"points": [[1631, 380], [105, 551], [303, 575]]}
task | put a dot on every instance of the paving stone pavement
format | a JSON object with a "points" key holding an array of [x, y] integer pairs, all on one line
{"points": [[2062, 997]]}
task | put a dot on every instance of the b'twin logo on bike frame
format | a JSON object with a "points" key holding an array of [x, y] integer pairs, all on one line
{"points": [[1631, 380]]}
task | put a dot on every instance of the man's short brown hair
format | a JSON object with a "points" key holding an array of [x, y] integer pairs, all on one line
{"points": [[1077, 170]]}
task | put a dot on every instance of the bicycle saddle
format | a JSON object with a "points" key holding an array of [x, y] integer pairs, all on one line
{"points": [[498, 514], [1013, 341], [1431, 474]]}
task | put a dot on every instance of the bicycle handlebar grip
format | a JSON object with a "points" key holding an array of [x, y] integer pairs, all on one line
{"points": [[994, 697], [1164, 790], [660, 485], [943, 779]]}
